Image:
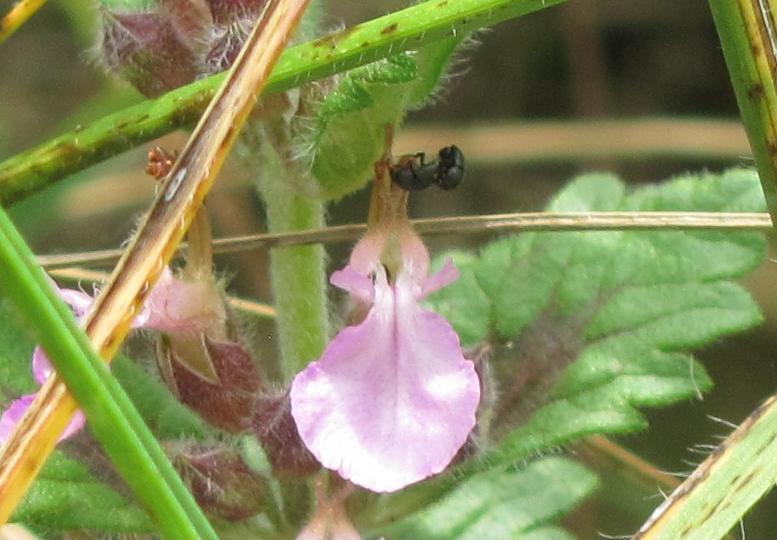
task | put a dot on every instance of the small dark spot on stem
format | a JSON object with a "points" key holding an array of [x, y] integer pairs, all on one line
{"points": [[443, 3], [756, 91], [333, 39], [748, 479], [389, 29]]}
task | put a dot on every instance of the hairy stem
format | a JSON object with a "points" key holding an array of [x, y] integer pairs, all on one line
{"points": [[424, 23], [298, 272]]}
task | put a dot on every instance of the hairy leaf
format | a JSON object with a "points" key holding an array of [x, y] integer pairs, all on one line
{"points": [[503, 504], [167, 417], [67, 497], [587, 326], [350, 128]]}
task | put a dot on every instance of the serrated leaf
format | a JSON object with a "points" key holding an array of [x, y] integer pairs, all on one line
{"points": [[503, 504], [67, 497], [350, 131], [592, 325]]}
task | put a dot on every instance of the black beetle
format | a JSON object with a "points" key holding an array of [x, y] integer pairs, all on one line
{"points": [[412, 173]]}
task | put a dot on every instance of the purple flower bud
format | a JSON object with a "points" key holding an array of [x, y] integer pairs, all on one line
{"points": [[145, 50], [277, 431], [221, 482], [226, 402], [191, 20], [226, 12]]}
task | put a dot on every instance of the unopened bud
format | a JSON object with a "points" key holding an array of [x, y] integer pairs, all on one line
{"points": [[144, 49], [277, 431], [228, 11], [227, 402], [221, 482]]}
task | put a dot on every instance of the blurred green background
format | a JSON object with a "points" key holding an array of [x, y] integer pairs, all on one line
{"points": [[588, 85]]}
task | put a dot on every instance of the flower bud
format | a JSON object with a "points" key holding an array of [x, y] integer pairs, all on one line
{"points": [[191, 20], [226, 12], [221, 482], [227, 402], [145, 50], [277, 431]]}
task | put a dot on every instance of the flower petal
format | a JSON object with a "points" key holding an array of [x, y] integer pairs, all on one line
{"points": [[445, 276], [79, 301], [181, 306], [392, 399], [14, 413], [41, 367], [356, 283]]}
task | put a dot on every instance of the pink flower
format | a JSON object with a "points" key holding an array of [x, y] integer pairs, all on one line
{"points": [[80, 303], [392, 398], [174, 306]]}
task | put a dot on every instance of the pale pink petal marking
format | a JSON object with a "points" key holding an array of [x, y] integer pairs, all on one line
{"points": [[357, 284], [79, 301], [16, 410], [445, 276], [392, 399], [41, 367], [180, 306], [13, 414]]}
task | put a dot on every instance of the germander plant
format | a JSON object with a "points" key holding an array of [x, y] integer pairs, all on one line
{"points": [[424, 407]]}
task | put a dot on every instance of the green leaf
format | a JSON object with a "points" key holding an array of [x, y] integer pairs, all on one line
{"points": [[588, 326], [67, 497], [465, 305], [167, 417], [503, 504], [351, 123]]}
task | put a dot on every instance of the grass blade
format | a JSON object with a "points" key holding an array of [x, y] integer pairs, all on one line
{"points": [[720, 491], [112, 417]]}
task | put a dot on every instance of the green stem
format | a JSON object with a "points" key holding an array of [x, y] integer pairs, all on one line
{"points": [[113, 419], [297, 272], [298, 281], [744, 28], [411, 28]]}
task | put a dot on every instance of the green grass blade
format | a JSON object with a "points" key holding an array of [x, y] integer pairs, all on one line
{"points": [[112, 416], [721, 490], [746, 30], [410, 28]]}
